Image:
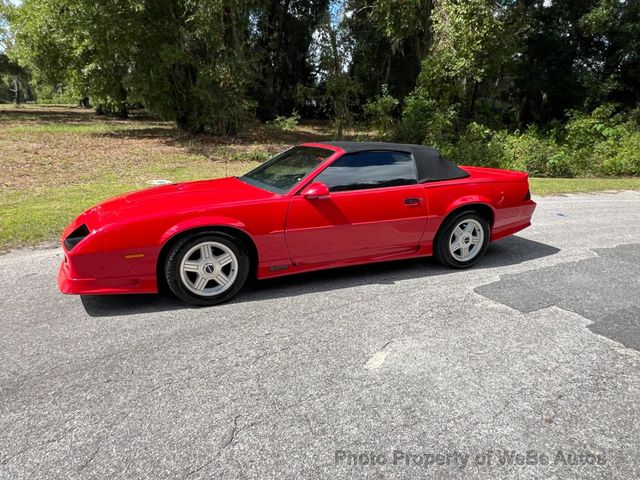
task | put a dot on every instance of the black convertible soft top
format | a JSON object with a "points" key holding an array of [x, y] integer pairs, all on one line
{"points": [[431, 165]]}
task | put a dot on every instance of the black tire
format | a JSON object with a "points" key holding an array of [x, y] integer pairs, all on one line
{"points": [[183, 290], [441, 250]]}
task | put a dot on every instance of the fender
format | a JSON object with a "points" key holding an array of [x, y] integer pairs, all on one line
{"points": [[208, 221], [443, 206], [469, 200]]}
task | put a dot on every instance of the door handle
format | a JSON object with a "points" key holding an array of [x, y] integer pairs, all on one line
{"points": [[412, 201]]}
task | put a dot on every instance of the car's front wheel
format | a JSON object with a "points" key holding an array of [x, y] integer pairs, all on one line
{"points": [[462, 240], [207, 269]]}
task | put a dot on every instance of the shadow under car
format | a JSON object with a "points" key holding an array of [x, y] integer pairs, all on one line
{"points": [[509, 251]]}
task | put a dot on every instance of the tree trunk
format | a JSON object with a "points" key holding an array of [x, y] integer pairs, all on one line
{"points": [[474, 96], [278, 87], [340, 127], [387, 72], [123, 111], [17, 90], [189, 123], [523, 112]]}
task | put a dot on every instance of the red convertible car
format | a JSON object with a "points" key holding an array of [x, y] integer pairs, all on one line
{"points": [[314, 206]]}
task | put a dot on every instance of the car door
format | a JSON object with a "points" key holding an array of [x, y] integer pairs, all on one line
{"points": [[375, 207]]}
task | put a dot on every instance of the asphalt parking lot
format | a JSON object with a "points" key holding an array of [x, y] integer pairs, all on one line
{"points": [[525, 366]]}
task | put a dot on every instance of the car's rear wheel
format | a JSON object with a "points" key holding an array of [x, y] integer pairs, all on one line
{"points": [[207, 269], [462, 240]]}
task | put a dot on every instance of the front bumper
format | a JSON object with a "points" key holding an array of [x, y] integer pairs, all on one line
{"points": [[68, 284]]}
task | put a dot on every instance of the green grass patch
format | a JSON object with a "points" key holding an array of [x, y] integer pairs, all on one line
{"points": [[28, 218], [86, 129], [34, 216], [551, 186]]}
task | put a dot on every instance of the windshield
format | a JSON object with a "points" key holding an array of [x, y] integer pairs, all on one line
{"points": [[283, 171]]}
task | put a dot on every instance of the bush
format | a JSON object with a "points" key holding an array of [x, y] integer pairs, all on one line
{"points": [[425, 120], [600, 143], [595, 138], [531, 152], [418, 110], [50, 95], [560, 164], [379, 113], [626, 161], [478, 145], [251, 155], [286, 123]]}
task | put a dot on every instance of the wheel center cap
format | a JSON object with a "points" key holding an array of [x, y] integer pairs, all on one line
{"points": [[209, 268], [467, 240]]}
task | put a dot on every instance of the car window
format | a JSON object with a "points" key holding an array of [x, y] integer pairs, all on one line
{"points": [[369, 170], [282, 172]]}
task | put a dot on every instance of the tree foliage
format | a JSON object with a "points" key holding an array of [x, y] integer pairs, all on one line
{"points": [[333, 49], [434, 71], [14, 79], [280, 40], [183, 60]]}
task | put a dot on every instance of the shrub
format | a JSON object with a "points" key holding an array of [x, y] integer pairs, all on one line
{"points": [[600, 143], [379, 113], [54, 96], [251, 155], [626, 161], [560, 164], [478, 145], [593, 139], [415, 117], [531, 152], [284, 123]]}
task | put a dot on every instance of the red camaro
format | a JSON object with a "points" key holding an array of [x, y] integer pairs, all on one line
{"points": [[312, 207]]}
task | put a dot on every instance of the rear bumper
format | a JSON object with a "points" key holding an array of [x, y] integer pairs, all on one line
{"points": [[509, 230], [103, 286], [525, 212]]}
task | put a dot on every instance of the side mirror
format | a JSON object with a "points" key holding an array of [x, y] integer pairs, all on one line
{"points": [[316, 191]]}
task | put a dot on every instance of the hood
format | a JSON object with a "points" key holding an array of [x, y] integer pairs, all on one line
{"points": [[177, 197]]}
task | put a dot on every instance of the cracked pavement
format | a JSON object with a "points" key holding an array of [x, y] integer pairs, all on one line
{"points": [[326, 375]]}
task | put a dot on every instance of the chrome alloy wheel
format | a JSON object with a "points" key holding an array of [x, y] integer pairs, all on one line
{"points": [[466, 240], [208, 268]]}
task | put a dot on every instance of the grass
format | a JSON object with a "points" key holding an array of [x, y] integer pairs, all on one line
{"points": [[56, 161], [554, 186], [31, 217], [66, 128]]}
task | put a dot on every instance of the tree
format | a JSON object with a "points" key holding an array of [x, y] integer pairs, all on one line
{"points": [[16, 76], [550, 52], [212, 65], [190, 63], [279, 53], [612, 28], [466, 48], [77, 43], [6, 38], [333, 51], [390, 41], [182, 59]]}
